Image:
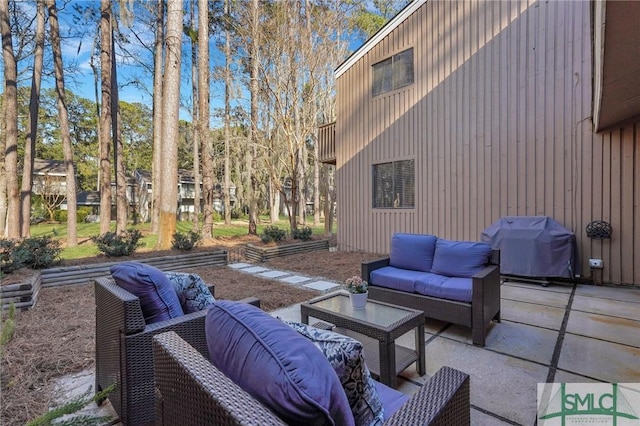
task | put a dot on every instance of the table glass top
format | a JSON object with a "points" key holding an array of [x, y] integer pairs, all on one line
{"points": [[374, 313]]}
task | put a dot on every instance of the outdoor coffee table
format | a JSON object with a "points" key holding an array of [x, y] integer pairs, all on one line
{"points": [[377, 327]]}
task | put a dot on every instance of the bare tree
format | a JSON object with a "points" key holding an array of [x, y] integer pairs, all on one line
{"points": [[170, 116], [203, 115], [72, 235], [122, 205], [193, 35], [254, 49], [106, 56], [227, 108], [10, 125], [51, 192], [3, 171], [32, 124], [157, 116]]}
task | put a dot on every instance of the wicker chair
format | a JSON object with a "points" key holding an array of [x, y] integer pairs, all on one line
{"points": [[124, 355], [191, 391], [484, 306]]}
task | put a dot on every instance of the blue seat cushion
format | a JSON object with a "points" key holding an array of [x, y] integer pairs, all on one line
{"points": [[451, 288], [460, 258], [412, 251], [275, 364], [193, 293], [158, 298], [395, 278], [392, 399], [346, 356]]}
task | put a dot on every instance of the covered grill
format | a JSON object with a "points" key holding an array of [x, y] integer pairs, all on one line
{"points": [[533, 246]]}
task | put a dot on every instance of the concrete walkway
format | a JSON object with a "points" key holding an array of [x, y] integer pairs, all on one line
{"points": [[563, 334]]}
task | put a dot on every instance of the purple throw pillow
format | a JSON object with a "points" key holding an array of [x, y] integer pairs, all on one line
{"points": [[158, 298], [276, 365]]}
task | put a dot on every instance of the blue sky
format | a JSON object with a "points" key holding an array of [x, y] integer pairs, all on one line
{"points": [[77, 50]]}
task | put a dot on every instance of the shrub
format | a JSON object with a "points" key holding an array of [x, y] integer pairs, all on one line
{"points": [[60, 216], [236, 213], [42, 252], [186, 242], [36, 253], [273, 233], [115, 245], [11, 258], [82, 213], [303, 234]]}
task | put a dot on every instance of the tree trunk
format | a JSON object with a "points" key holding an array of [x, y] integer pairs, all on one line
{"points": [[96, 95], [106, 56], [203, 114], [3, 172], [227, 118], [275, 203], [122, 205], [72, 206], [157, 118], [170, 117], [316, 185], [253, 134], [32, 124], [11, 124], [196, 124]]}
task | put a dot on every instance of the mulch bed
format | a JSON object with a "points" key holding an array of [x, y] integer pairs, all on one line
{"points": [[56, 337]]}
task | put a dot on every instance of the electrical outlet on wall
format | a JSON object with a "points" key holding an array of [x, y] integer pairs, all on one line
{"points": [[596, 263]]}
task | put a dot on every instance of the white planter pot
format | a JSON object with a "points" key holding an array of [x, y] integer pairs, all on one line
{"points": [[358, 300]]}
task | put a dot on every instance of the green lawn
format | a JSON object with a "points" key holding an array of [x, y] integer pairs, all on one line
{"points": [[87, 230]]}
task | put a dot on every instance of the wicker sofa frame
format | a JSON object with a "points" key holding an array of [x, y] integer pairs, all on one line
{"points": [[191, 391], [484, 306], [124, 354]]}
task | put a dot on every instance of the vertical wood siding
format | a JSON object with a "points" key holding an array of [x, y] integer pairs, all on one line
{"points": [[499, 124]]}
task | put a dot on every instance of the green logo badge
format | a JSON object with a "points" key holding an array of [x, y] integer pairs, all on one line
{"points": [[588, 404]]}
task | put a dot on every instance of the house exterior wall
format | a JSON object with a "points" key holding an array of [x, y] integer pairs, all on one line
{"points": [[498, 122]]}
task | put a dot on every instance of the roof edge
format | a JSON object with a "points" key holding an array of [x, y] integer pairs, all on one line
{"points": [[377, 37]]}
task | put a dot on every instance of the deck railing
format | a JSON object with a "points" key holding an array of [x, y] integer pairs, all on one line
{"points": [[327, 143]]}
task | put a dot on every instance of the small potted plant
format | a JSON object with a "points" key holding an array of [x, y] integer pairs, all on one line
{"points": [[358, 293]]}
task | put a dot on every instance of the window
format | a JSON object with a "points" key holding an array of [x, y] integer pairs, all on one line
{"points": [[393, 73], [394, 185]]}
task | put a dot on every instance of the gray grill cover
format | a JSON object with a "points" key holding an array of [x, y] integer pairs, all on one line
{"points": [[533, 246]]}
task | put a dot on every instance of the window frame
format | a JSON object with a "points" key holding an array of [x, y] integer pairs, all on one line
{"points": [[394, 185], [382, 65]]}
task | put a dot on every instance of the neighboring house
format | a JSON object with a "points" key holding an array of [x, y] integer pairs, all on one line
{"points": [[457, 113], [49, 177], [186, 194]]}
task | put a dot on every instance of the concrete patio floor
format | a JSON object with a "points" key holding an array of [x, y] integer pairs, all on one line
{"points": [[559, 333]]}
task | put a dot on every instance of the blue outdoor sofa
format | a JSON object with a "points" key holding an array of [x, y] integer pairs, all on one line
{"points": [[452, 281]]}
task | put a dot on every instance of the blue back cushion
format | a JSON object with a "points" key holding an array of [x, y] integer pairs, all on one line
{"points": [[275, 364], [158, 298], [412, 251], [460, 258]]}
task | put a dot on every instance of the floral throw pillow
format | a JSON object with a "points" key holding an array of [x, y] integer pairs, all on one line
{"points": [[345, 356], [192, 291]]}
